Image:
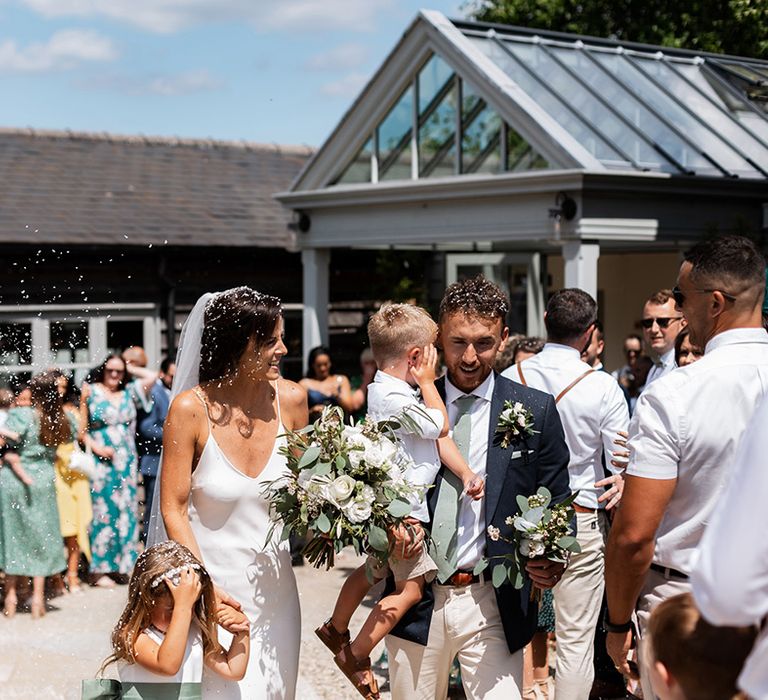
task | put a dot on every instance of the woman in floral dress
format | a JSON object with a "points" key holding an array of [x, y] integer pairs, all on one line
{"points": [[108, 409]]}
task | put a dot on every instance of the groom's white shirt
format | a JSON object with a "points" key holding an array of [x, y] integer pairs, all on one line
{"points": [[470, 535]]}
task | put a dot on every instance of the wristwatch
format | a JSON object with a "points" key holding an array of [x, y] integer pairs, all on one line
{"points": [[609, 626]]}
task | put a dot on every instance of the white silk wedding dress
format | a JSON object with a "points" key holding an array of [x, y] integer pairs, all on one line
{"points": [[230, 520]]}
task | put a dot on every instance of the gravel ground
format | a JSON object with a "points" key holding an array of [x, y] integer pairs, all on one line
{"points": [[48, 658]]}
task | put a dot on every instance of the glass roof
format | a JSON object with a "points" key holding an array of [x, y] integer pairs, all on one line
{"points": [[633, 107], [642, 109]]}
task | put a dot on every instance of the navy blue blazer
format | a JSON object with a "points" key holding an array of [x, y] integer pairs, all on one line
{"points": [[542, 461], [149, 430]]}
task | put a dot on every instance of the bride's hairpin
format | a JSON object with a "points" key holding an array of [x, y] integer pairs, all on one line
{"points": [[173, 574]]}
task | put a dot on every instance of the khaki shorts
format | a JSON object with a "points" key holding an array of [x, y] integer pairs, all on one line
{"points": [[404, 569]]}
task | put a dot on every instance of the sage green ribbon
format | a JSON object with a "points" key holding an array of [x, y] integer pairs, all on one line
{"points": [[111, 689]]}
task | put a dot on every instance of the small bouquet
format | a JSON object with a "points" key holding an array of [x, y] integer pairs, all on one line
{"points": [[345, 487], [515, 423], [538, 532]]}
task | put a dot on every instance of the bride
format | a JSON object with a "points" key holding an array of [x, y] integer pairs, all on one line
{"points": [[220, 447]]}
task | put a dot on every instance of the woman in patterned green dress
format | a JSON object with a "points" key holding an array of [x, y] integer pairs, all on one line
{"points": [[30, 535], [109, 411]]}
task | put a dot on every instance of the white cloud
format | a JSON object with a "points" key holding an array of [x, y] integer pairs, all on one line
{"points": [[340, 57], [165, 85], [348, 86], [64, 50], [167, 16]]}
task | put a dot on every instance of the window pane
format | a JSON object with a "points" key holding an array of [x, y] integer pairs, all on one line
{"points": [[521, 155], [123, 334], [69, 342], [702, 106], [15, 343], [656, 100], [480, 134], [434, 79], [395, 140], [437, 133], [359, 170], [535, 89]]}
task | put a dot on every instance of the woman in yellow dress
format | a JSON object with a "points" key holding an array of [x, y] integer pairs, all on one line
{"points": [[73, 492]]}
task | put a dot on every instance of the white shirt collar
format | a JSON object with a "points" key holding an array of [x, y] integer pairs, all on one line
{"points": [[484, 391], [735, 336], [668, 358], [562, 350], [385, 378]]}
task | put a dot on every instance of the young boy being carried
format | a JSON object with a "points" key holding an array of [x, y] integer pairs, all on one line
{"points": [[402, 338]]}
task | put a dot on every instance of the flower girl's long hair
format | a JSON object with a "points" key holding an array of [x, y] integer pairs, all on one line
{"points": [[153, 563]]}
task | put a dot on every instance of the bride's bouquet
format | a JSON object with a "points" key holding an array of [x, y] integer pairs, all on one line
{"points": [[345, 487], [538, 532]]}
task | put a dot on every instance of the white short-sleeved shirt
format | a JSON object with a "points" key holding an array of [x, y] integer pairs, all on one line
{"points": [[687, 426], [730, 571], [388, 397], [592, 413]]}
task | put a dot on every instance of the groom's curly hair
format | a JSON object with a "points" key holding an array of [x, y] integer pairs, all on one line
{"points": [[232, 318], [475, 296]]}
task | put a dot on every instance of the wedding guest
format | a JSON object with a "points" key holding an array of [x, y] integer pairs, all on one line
{"points": [[526, 347], [593, 413], [324, 388], [107, 423], [661, 323], [633, 349], [23, 396], [30, 539], [463, 615], [593, 353], [683, 436], [730, 576], [149, 435], [685, 351], [134, 356], [690, 659], [361, 382], [73, 490]]}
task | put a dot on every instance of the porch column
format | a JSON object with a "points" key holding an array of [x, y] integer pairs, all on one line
{"points": [[315, 263], [581, 265]]}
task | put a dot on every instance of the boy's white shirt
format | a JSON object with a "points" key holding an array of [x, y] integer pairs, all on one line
{"points": [[388, 397]]}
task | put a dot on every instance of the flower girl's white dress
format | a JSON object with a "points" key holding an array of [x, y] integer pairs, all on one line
{"points": [[230, 520]]}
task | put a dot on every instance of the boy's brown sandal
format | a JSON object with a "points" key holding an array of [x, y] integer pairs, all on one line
{"points": [[332, 638], [359, 673]]}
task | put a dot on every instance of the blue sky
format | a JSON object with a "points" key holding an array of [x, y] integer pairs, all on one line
{"points": [[281, 71]]}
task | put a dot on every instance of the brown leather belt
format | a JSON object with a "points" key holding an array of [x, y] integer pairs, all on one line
{"points": [[583, 509], [463, 578]]}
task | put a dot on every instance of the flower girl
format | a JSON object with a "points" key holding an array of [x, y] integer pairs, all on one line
{"points": [[167, 632]]}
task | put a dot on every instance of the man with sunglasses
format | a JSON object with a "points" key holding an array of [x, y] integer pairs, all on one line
{"points": [[683, 435], [661, 323]]}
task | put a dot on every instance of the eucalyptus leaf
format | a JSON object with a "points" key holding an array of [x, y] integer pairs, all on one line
{"points": [[341, 463], [322, 523], [499, 575], [519, 580], [522, 503], [322, 468], [377, 538], [310, 456], [567, 542], [399, 508], [481, 566]]}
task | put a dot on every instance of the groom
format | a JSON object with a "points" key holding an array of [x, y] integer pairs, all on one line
{"points": [[462, 614]]}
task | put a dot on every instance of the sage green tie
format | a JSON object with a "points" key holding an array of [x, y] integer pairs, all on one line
{"points": [[445, 520]]}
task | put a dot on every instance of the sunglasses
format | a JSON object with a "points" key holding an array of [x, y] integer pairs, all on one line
{"points": [[679, 297], [114, 371], [663, 322]]}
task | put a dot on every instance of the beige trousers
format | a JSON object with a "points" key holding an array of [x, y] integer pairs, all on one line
{"points": [[578, 597], [656, 589], [465, 624]]}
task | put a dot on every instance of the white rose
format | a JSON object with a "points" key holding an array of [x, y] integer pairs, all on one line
{"points": [[366, 494], [518, 407], [357, 511], [494, 533], [341, 488]]}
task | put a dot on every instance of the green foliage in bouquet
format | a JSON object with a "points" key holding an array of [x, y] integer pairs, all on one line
{"points": [[345, 487], [538, 532]]}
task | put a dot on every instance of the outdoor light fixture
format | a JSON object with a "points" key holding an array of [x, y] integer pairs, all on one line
{"points": [[566, 207], [303, 223]]}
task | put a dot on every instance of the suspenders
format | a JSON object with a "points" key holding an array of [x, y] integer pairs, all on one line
{"points": [[564, 391]]}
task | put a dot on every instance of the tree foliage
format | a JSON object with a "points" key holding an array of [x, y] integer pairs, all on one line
{"points": [[738, 27]]}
